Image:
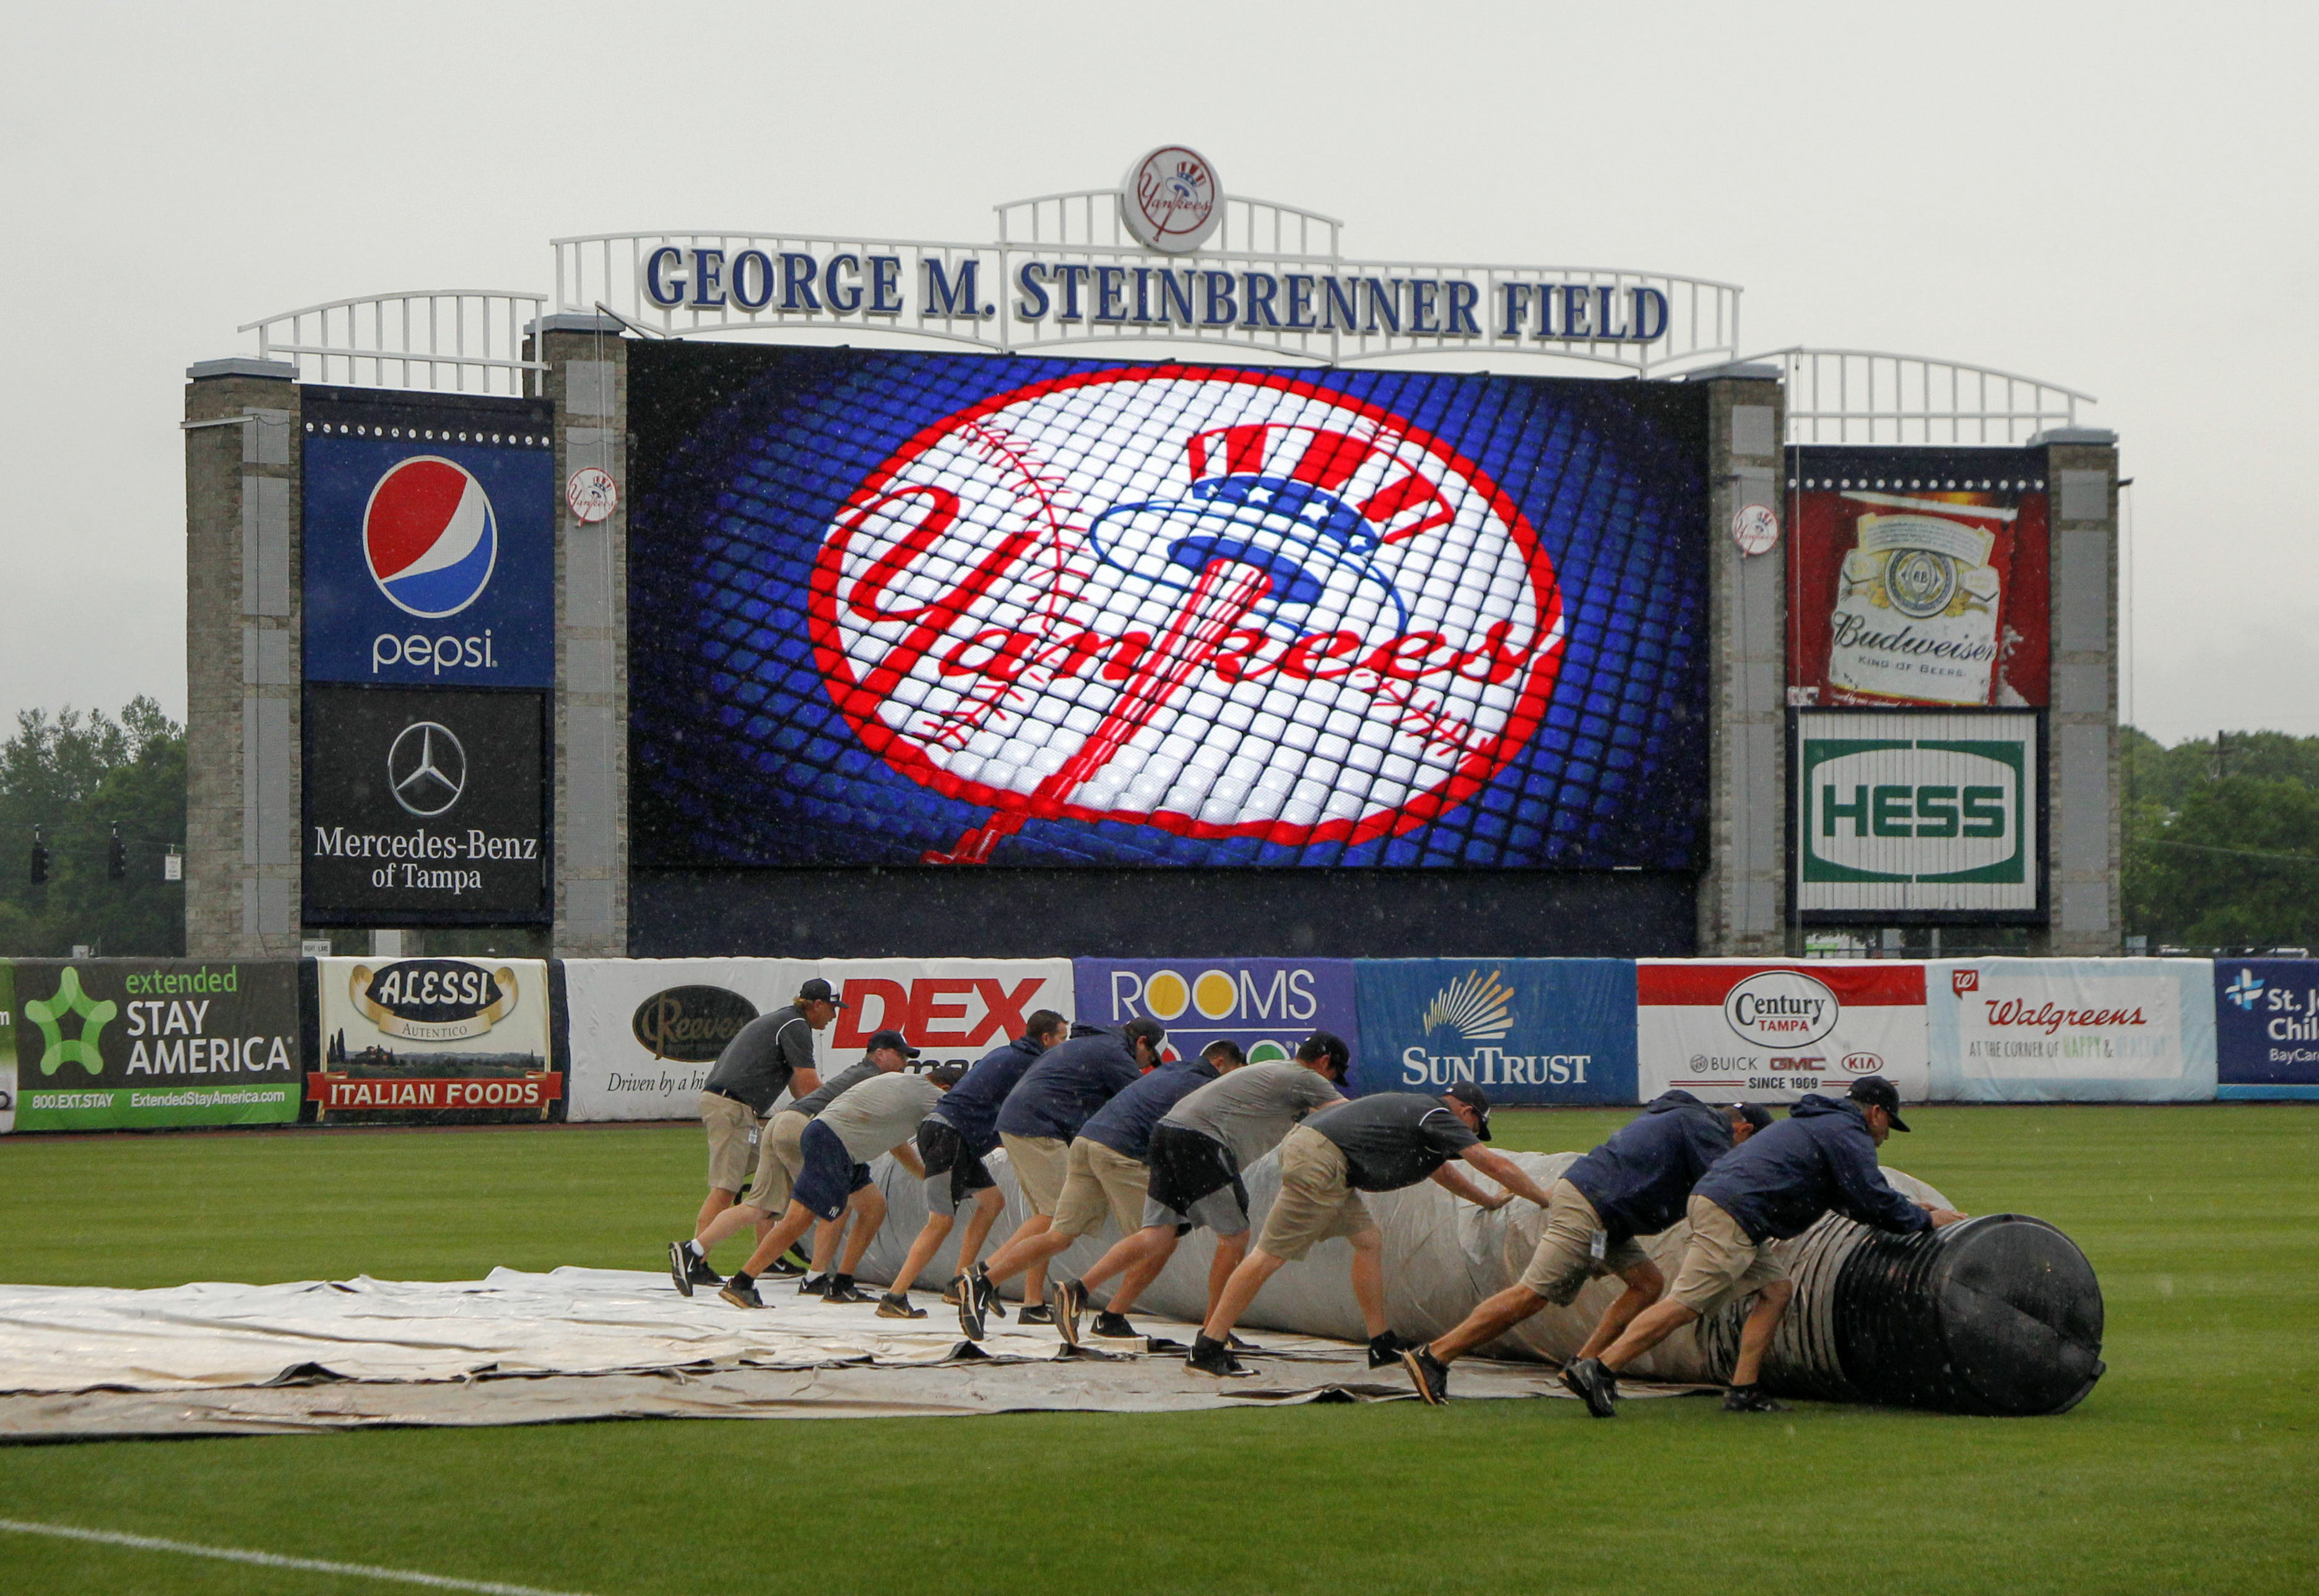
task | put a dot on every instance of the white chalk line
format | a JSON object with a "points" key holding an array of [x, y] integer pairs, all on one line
{"points": [[184, 1549]]}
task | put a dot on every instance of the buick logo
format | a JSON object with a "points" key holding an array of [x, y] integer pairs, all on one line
{"points": [[425, 768]]}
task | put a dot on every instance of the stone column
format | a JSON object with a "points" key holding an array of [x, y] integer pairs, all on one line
{"points": [[586, 378], [242, 659], [1742, 904], [2084, 837]]}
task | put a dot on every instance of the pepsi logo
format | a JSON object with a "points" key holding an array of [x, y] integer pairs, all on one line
{"points": [[429, 536]]}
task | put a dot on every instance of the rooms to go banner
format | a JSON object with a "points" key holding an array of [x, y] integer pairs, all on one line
{"points": [[1528, 1031], [2057, 1030], [908, 608], [1265, 1006], [433, 1039], [1729, 1030], [94, 1044], [643, 1032]]}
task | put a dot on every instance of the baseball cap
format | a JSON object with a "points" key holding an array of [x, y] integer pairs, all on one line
{"points": [[816, 991], [1475, 1098], [1329, 1045], [1149, 1029], [1754, 1113], [1876, 1092], [889, 1039]]}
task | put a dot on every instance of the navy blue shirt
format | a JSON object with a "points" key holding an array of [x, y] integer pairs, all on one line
{"points": [[1069, 1082], [1640, 1180], [1779, 1181], [970, 1108], [1124, 1123]]}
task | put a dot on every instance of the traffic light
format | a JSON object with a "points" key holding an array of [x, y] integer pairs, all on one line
{"points": [[116, 856], [39, 858]]}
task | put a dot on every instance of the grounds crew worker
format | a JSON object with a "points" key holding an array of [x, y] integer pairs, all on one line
{"points": [[1822, 1156], [864, 1118], [957, 1134], [1634, 1184], [1054, 1098], [1378, 1143], [1196, 1156], [771, 1054]]}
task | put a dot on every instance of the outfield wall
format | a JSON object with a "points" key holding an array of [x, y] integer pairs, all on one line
{"points": [[123, 1044]]}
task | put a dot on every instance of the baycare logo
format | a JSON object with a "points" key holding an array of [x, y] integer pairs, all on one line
{"points": [[1781, 1008], [2025, 1015], [1221, 603], [690, 1025], [433, 1000]]}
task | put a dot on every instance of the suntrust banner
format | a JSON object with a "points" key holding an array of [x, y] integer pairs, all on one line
{"points": [[1731, 1030], [1528, 1030], [2057, 1030], [2265, 1028]]}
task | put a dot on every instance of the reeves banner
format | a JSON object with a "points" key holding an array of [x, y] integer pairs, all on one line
{"points": [[1729, 1030], [2265, 1028], [2063, 1030], [1264, 1006], [94, 1044], [1528, 1031], [430, 1038]]}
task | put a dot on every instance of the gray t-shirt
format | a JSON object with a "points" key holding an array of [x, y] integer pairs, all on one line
{"points": [[845, 1080], [1391, 1140], [878, 1115], [1251, 1108], [756, 1065]]}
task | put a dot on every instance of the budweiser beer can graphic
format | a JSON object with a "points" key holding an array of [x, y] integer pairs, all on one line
{"points": [[1916, 611]]}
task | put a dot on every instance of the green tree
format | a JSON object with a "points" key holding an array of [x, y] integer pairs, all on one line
{"points": [[74, 775], [2222, 840]]}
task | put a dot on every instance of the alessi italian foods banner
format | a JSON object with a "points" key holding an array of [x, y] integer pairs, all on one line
{"points": [[430, 1038]]}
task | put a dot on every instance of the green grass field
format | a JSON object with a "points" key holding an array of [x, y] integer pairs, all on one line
{"points": [[2190, 1468]]}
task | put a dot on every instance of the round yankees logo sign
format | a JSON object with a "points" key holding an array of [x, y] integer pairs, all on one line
{"points": [[1781, 1008], [1171, 199], [1219, 602]]}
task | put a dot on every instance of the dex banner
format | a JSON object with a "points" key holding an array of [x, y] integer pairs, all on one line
{"points": [[644, 1031], [1528, 1031], [1730, 1031], [100, 1044], [2065, 1030], [1265, 1005], [2267, 1028], [434, 1038]]}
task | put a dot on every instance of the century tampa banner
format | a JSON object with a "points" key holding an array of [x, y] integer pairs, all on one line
{"points": [[1528, 1031], [1264, 1007], [644, 1032], [94, 1044], [430, 1038], [1732, 1031]]}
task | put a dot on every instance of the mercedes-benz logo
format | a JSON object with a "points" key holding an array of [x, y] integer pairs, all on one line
{"points": [[425, 768]]}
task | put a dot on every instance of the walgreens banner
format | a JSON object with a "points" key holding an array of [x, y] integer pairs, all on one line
{"points": [[1772, 1032], [2063, 1030]]}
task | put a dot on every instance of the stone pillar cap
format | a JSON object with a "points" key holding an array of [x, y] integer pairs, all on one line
{"points": [[2101, 436], [243, 365]]}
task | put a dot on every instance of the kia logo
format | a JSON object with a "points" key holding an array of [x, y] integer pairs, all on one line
{"points": [[425, 768]]}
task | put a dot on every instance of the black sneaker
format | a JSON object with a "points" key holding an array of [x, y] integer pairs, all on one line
{"points": [[1429, 1373], [1597, 1385], [679, 1266], [1070, 1301], [894, 1305], [799, 1261], [950, 1291], [813, 1285], [742, 1294], [1237, 1345], [1212, 1357], [785, 1267], [1115, 1327], [1035, 1313], [1751, 1399], [1386, 1349], [971, 1323], [842, 1289]]}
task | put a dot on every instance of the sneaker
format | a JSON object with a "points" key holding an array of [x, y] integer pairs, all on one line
{"points": [[1212, 1357], [893, 1304], [1751, 1399], [1237, 1345], [1386, 1349], [842, 1289], [742, 1294], [785, 1267], [1429, 1373], [950, 1291], [813, 1285], [1115, 1327], [679, 1266], [1597, 1385], [1035, 1313], [1070, 1301], [970, 1310]]}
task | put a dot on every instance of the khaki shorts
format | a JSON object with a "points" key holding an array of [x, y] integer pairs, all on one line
{"points": [[1041, 1163], [1314, 1203], [1096, 1177], [1564, 1259], [1721, 1262], [779, 1161], [733, 1136]]}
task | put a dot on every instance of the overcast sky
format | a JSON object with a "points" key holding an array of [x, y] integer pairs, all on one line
{"points": [[2117, 198]]}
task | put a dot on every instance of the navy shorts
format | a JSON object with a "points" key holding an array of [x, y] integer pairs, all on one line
{"points": [[830, 1175], [954, 1172], [1194, 1182]]}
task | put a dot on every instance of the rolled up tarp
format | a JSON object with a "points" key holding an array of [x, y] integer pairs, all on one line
{"points": [[2000, 1315]]}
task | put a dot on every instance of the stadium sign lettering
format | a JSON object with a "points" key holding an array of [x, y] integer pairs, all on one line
{"points": [[1493, 1066]]}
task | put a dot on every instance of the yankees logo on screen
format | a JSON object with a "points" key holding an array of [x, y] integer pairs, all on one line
{"points": [[1219, 603]]}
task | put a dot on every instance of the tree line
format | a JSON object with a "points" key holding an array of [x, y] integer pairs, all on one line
{"points": [[2222, 840]]}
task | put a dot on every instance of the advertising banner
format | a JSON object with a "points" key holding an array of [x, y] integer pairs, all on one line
{"points": [[2072, 1029], [434, 1039], [644, 1032], [1905, 812], [1265, 1005], [1529, 1030], [429, 527], [106, 1044], [425, 808], [1731, 1030], [2265, 1028], [1918, 576], [904, 609]]}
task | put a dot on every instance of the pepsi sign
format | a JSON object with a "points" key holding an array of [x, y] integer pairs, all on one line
{"points": [[429, 539]]}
